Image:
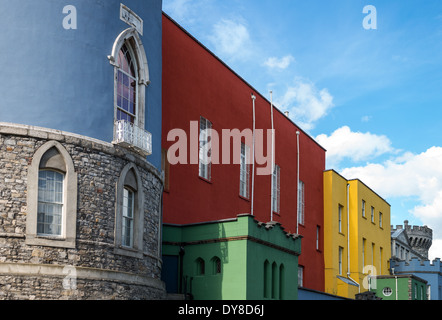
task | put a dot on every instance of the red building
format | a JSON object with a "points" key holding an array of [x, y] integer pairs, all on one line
{"points": [[200, 91]]}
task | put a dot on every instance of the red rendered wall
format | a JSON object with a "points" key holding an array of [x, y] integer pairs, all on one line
{"points": [[196, 83]]}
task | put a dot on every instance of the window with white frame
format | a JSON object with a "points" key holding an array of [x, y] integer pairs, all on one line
{"points": [[276, 189], [50, 203], [318, 233], [205, 165], [380, 219], [372, 214], [244, 184], [128, 217], [52, 210], [301, 203], [300, 276]]}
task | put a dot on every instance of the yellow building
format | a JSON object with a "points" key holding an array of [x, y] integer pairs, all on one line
{"points": [[355, 217]]}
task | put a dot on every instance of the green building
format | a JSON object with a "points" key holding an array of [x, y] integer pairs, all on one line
{"points": [[235, 259], [400, 287]]}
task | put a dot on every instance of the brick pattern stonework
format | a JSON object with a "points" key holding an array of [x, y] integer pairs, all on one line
{"points": [[92, 270]]}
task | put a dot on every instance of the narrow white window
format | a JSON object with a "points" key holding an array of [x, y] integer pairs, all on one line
{"points": [[372, 214], [318, 232], [300, 276], [205, 166], [301, 203], [276, 189], [128, 218], [50, 203], [244, 176]]}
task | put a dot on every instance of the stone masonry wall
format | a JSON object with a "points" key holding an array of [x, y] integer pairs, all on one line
{"points": [[41, 272]]}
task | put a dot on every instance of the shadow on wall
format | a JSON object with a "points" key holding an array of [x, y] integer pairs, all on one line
{"points": [[207, 265]]}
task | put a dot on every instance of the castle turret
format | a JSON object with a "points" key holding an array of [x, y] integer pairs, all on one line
{"points": [[420, 238]]}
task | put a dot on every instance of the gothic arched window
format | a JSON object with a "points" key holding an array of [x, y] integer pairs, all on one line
{"points": [[52, 198], [131, 78], [127, 79], [129, 220]]}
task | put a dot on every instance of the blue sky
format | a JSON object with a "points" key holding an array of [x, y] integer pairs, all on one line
{"points": [[371, 97]]}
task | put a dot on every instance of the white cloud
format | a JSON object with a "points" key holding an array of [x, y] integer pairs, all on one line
{"points": [[279, 63], [231, 39], [356, 146], [408, 175], [435, 249], [306, 103], [177, 9], [416, 176]]}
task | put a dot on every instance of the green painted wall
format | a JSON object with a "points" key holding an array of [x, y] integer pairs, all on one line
{"points": [[242, 246], [408, 288]]}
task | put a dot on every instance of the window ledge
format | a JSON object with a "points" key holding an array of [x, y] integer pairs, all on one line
{"points": [[130, 252], [49, 241]]}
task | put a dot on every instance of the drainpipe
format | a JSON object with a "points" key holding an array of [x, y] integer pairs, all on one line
{"points": [[273, 156], [253, 157], [348, 238], [297, 183]]}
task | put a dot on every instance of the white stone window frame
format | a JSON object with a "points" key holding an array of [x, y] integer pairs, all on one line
{"points": [[136, 250], [276, 190], [301, 202], [69, 215], [128, 215], [244, 176], [131, 38], [205, 163]]}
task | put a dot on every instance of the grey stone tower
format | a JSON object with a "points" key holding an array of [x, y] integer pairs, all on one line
{"points": [[420, 238]]}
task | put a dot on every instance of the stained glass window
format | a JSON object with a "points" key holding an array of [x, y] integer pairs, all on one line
{"points": [[126, 85]]}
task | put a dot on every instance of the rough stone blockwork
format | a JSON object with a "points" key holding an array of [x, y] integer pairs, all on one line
{"points": [[92, 270]]}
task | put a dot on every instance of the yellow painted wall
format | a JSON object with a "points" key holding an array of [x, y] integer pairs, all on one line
{"points": [[335, 196]]}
